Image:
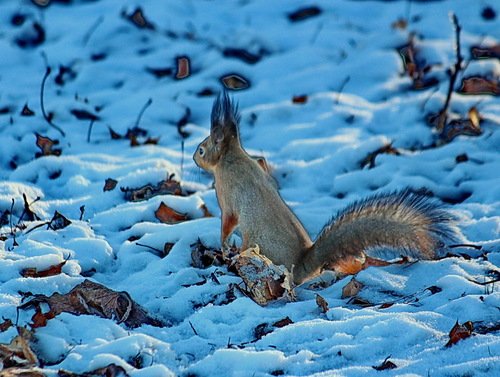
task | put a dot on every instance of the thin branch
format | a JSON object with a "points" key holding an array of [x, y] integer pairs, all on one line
{"points": [[457, 67], [90, 130], [158, 252], [92, 29], [477, 247], [146, 105], [42, 89]]}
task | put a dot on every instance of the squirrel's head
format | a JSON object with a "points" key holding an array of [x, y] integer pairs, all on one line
{"points": [[223, 133]]}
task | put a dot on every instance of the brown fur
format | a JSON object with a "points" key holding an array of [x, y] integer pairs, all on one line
{"points": [[248, 198]]}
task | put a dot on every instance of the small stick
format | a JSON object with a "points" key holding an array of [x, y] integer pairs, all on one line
{"points": [[92, 29], [90, 130], [341, 89], [146, 105], [42, 89], [457, 67]]}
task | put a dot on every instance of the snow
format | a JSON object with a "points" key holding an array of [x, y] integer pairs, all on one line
{"points": [[358, 99]]}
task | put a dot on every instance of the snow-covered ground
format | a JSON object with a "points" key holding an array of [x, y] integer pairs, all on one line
{"points": [[358, 98]]}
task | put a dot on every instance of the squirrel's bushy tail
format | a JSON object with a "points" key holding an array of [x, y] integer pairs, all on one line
{"points": [[403, 222]]}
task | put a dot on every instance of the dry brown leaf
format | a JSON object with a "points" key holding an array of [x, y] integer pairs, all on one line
{"points": [[385, 149], [264, 281], [18, 353], [235, 82], [183, 67], [480, 85], [400, 24], [322, 303], [109, 184], [459, 332], [58, 222], [169, 215], [204, 257], [283, 322], [51, 271], [168, 186], [387, 364], [469, 127], [206, 212], [46, 146], [478, 52], [95, 299], [352, 288], [138, 19], [299, 99], [5, 325], [111, 370]]}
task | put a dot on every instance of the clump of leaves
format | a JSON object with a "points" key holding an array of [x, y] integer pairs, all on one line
{"points": [[168, 186], [94, 299]]}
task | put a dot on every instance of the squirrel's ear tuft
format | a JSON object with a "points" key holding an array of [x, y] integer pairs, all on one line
{"points": [[225, 117]]}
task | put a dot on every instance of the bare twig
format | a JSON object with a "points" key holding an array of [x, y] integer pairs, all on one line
{"points": [[90, 129], [341, 89], [158, 252], [439, 120], [477, 247], [92, 29], [42, 89], [146, 105]]}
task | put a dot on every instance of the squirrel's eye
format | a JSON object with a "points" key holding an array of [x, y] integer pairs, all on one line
{"points": [[201, 151]]}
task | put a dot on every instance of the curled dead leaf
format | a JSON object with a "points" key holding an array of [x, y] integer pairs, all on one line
{"points": [[46, 146], [235, 82], [183, 67], [109, 184], [322, 303], [94, 299], [51, 271], [386, 364], [459, 332], [168, 186], [352, 288], [169, 215], [18, 352], [58, 222], [480, 85]]}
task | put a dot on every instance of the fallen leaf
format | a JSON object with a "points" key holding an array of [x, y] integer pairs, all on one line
{"points": [[206, 212], [299, 99], [488, 13], [138, 19], [387, 364], [235, 82], [478, 52], [241, 54], [459, 332], [166, 187], [27, 112], [5, 325], [28, 213], [385, 149], [160, 72], [415, 66], [81, 114], [51, 271], [204, 257], [111, 370], [40, 319], [95, 299], [114, 135], [183, 67], [18, 352], [109, 184], [46, 146], [322, 304], [480, 85], [283, 322], [58, 222], [468, 127], [302, 14], [169, 215], [400, 24], [352, 288], [264, 280]]}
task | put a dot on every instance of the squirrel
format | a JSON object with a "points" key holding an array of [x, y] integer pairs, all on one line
{"points": [[402, 222]]}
